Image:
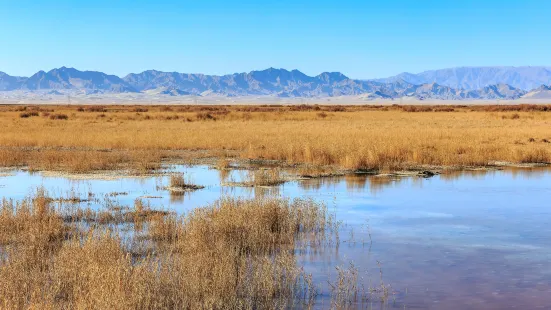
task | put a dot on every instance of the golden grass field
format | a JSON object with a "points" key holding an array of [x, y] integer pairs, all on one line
{"points": [[383, 138]]}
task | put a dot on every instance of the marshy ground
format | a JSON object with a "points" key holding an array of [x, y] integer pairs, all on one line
{"points": [[460, 240], [232, 253], [88, 250]]}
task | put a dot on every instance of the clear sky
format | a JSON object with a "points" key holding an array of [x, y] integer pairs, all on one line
{"points": [[362, 39]]}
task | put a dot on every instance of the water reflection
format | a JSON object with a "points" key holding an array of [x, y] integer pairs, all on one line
{"points": [[224, 175], [354, 182], [475, 239]]}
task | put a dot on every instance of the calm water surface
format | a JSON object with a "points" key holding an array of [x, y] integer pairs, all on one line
{"points": [[475, 240]]}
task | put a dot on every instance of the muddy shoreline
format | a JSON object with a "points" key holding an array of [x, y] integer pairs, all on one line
{"points": [[293, 171]]}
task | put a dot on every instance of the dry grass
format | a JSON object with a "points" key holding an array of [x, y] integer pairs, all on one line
{"points": [[223, 164], [351, 137], [179, 182], [232, 254], [311, 171], [264, 177]]}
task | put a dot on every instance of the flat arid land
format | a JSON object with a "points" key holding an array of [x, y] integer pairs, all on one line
{"points": [[366, 138]]}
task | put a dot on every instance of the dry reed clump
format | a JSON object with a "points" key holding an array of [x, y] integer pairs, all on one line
{"points": [[32, 221], [28, 114], [539, 155], [99, 109], [204, 116], [179, 182], [261, 177], [512, 116], [59, 116], [245, 249], [31, 232], [258, 226], [232, 254], [139, 110], [145, 161], [13, 158], [266, 177], [223, 164]]}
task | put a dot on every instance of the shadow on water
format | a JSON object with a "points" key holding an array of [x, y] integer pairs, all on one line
{"points": [[459, 240]]}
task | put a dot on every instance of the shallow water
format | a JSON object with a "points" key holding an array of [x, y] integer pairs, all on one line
{"points": [[474, 240]]}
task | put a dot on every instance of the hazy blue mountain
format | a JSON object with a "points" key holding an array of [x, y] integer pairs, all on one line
{"points": [[278, 82], [404, 77], [542, 92], [70, 78], [473, 78], [171, 91], [500, 91], [332, 77], [285, 83], [54, 92], [8, 82], [436, 91]]}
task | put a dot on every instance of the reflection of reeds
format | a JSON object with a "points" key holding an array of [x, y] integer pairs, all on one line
{"points": [[473, 174], [309, 171], [224, 175], [318, 183], [354, 182], [378, 183], [261, 178]]}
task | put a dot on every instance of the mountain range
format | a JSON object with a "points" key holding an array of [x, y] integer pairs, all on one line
{"points": [[448, 84], [473, 78]]}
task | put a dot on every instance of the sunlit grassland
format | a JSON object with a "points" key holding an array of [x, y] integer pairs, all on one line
{"points": [[352, 137]]}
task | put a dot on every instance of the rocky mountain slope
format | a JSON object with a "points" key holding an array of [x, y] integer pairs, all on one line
{"points": [[69, 78], [283, 83]]}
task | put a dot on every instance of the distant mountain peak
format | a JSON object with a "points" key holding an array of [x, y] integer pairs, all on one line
{"points": [[271, 70], [473, 78], [71, 78], [332, 76]]}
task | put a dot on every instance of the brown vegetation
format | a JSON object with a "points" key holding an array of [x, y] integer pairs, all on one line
{"points": [[231, 254], [366, 137], [59, 116], [180, 183], [264, 177]]}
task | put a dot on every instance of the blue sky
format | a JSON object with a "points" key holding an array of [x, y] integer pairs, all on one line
{"points": [[362, 39]]}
